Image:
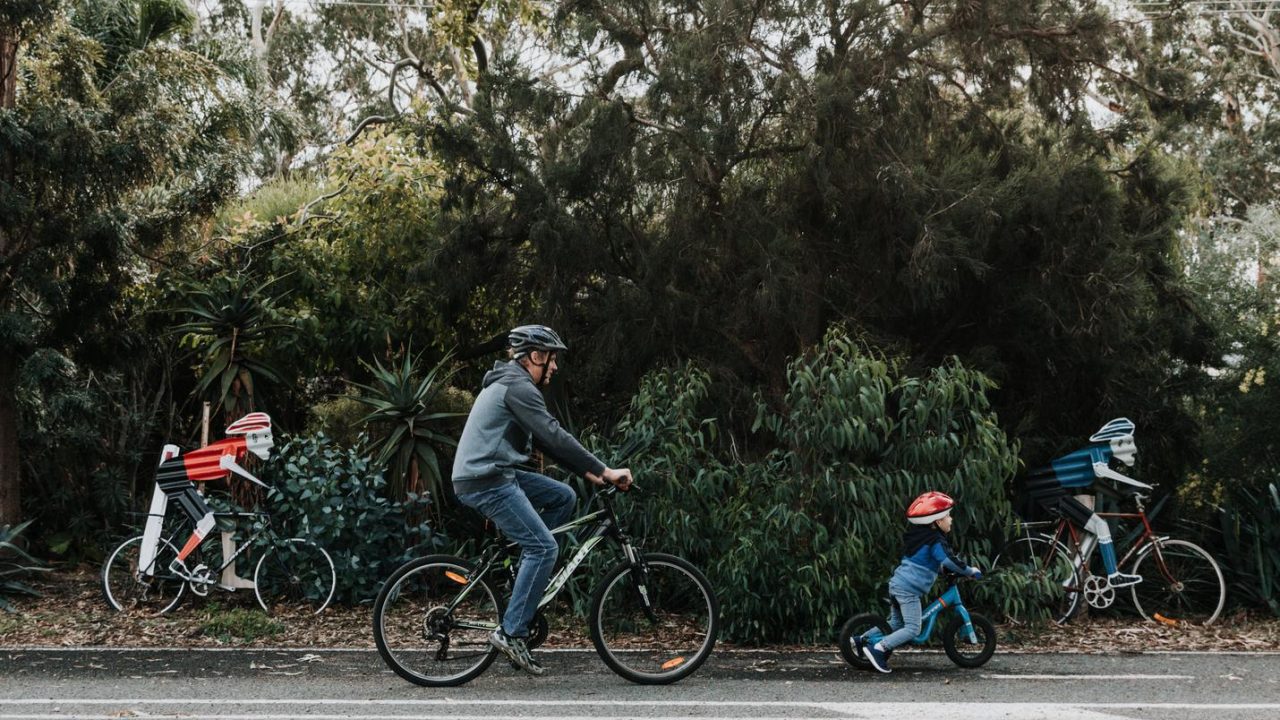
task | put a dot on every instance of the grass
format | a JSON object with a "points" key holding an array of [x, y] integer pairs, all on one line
{"points": [[9, 622], [238, 624]]}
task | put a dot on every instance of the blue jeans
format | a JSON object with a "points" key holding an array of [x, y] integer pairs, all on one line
{"points": [[524, 511], [904, 619]]}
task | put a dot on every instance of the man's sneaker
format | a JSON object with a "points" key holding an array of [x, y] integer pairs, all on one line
{"points": [[515, 649], [1119, 580], [879, 658]]}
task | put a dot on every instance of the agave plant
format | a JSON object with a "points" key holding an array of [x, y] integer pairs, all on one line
{"points": [[12, 567], [404, 411], [229, 316]]}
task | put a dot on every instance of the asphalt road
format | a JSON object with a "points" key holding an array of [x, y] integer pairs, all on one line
{"points": [[355, 685]]}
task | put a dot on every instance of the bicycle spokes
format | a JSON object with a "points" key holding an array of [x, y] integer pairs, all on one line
{"points": [[656, 623], [428, 630]]}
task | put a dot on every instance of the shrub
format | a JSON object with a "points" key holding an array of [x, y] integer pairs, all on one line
{"points": [[337, 498], [12, 567], [1251, 534], [802, 536]]}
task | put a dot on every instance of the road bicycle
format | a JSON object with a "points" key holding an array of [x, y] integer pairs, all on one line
{"points": [[653, 618], [292, 575], [968, 638], [1181, 582]]}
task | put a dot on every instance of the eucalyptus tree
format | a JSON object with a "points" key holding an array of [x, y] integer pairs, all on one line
{"points": [[113, 134], [723, 179], [328, 69]]}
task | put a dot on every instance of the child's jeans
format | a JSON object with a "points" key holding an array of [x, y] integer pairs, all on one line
{"points": [[904, 618]]}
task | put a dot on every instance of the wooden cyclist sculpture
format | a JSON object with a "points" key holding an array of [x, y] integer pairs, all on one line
{"points": [[176, 480]]}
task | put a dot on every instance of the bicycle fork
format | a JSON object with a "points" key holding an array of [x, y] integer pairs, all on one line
{"points": [[639, 579]]}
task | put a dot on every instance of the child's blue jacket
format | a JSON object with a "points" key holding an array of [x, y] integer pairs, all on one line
{"points": [[926, 552]]}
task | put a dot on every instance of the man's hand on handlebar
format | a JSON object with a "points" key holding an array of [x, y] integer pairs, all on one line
{"points": [[620, 477]]}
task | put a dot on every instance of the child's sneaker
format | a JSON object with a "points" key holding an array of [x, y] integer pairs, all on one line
{"points": [[879, 658]]}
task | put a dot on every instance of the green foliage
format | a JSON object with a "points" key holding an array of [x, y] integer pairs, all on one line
{"points": [[937, 178], [1251, 529], [404, 411], [800, 537], [338, 498], [237, 624], [229, 317], [15, 564]]}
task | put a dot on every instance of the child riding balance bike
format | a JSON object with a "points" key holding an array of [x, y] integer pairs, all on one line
{"points": [[867, 640]]}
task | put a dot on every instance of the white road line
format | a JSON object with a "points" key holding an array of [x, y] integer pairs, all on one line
{"points": [[1034, 676], [460, 702], [858, 711]]}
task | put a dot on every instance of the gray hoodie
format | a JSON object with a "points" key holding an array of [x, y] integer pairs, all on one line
{"points": [[508, 415]]}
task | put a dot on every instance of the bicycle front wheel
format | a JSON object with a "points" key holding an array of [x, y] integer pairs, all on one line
{"points": [[1181, 583], [1049, 581], [295, 576], [654, 622], [965, 651], [150, 590], [432, 621]]}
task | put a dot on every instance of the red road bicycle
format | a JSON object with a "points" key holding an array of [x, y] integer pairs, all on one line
{"points": [[1181, 582]]}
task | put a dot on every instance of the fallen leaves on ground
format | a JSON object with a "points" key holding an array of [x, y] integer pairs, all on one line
{"points": [[72, 612]]}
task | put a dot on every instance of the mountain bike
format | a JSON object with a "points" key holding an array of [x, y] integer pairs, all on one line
{"points": [[1181, 582], [653, 618], [293, 573], [969, 638]]}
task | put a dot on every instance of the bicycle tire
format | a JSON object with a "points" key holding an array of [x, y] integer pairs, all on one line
{"points": [[1183, 584], [1054, 581], [854, 627], [125, 589], [294, 575], [670, 640], [955, 644], [411, 629]]}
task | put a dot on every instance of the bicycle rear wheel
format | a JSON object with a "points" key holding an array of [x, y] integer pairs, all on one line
{"points": [[427, 630], [656, 622], [151, 590], [1181, 583], [857, 626], [294, 576], [1052, 585]]}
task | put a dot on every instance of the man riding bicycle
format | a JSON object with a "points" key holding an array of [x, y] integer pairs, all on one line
{"points": [[509, 415]]}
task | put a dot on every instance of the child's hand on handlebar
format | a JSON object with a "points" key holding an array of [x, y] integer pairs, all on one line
{"points": [[975, 573]]}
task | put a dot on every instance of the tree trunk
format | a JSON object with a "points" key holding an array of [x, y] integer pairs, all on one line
{"points": [[10, 477]]}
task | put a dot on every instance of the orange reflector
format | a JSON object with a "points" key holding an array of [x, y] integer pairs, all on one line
{"points": [[675, 662], [1162, 619], [455, 577]]}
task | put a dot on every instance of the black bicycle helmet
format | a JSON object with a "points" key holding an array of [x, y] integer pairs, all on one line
{"points": [[527, 338]]}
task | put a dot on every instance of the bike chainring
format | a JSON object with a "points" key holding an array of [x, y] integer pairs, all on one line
{"points": [[1098, 592], [538, 631], [201, 580]]}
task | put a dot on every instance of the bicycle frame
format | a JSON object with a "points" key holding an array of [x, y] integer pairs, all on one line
{"points": [[603, 523], [183, 530], [929, 616], [1065, 534]]}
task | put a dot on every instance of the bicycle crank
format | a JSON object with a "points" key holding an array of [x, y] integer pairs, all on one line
{"points": [[201, 579], [1098, 592]]}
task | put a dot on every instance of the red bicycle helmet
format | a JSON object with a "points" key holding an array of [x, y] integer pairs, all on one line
{"points": [[930, 507]]}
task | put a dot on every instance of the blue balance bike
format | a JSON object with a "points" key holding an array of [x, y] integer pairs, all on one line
{"points": [[969, 638]]}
